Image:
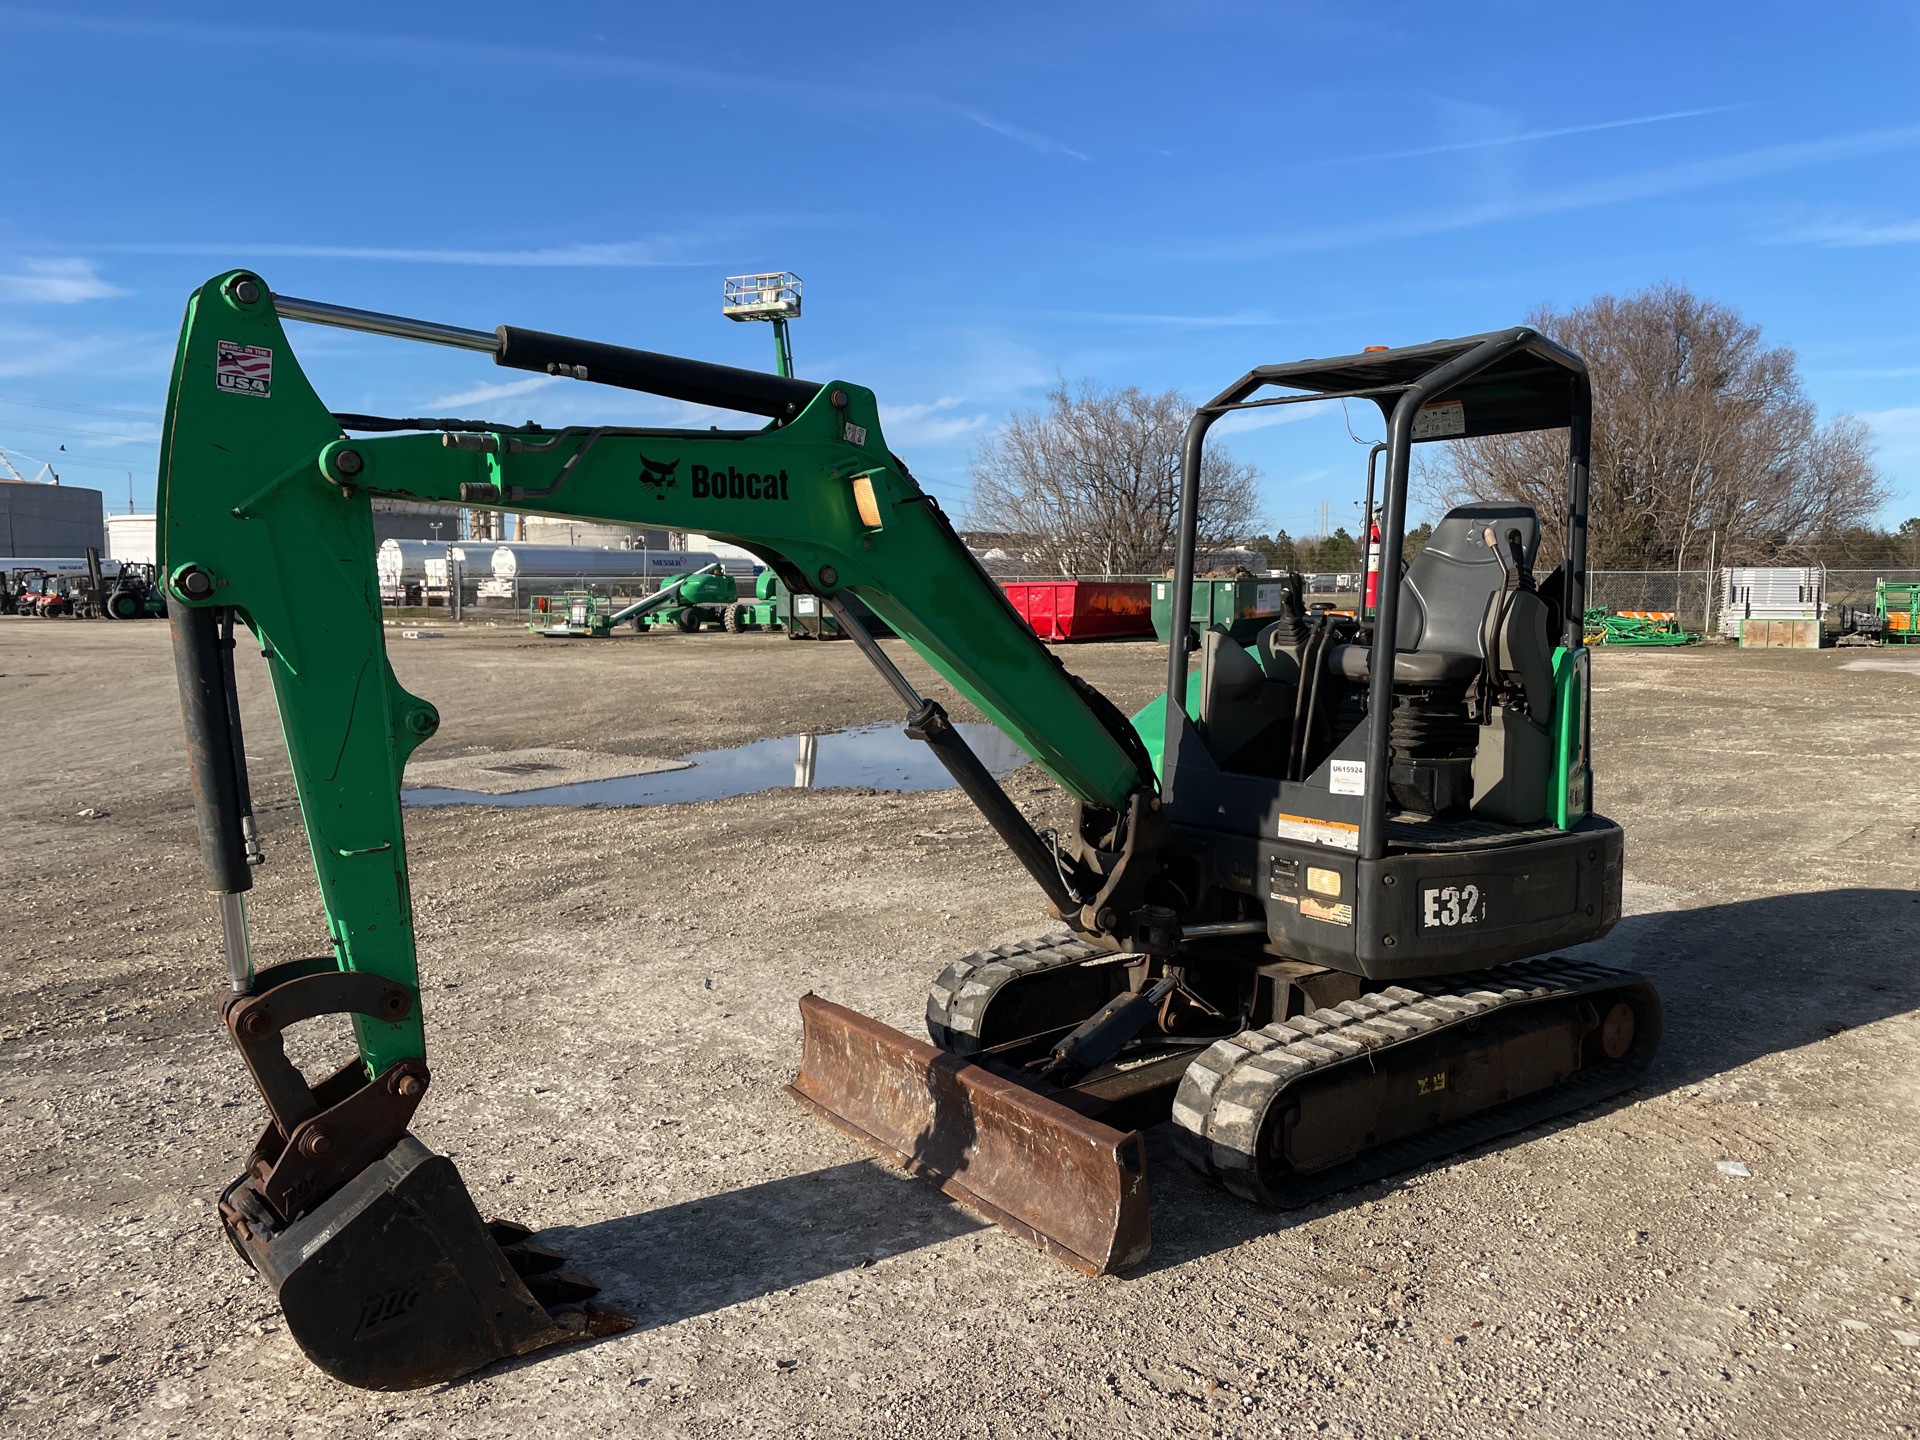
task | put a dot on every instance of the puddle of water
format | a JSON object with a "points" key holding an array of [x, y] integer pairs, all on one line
{"points": [[880, 757], [1908, 667]]}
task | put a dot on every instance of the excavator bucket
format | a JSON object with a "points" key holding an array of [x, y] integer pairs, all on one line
{"points": [[395, 1281], [1072, 1186]]}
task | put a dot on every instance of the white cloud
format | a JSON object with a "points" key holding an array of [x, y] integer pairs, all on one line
{"points": [[621, 254], [56, 282], [1522, 137], [781, 90], [1848, 232], [1238, 319], [1267, 416], [484, 394], [1587, 195], [1897, 431], [929, 422], [28, 350]]}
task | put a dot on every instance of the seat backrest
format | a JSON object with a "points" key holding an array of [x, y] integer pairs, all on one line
{"points": [[1245, 714], [1446, 589]]}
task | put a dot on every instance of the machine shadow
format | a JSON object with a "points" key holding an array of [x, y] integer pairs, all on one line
{"points": [[1737, 981], [664, 1265]]}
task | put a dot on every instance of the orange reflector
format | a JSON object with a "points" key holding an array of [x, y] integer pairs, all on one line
{"points": [[1371, 348], [866, 502]]}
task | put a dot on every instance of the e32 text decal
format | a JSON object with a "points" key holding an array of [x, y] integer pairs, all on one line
{"points": [[1442, 907]]}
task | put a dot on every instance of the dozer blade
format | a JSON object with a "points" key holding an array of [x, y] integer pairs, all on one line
{"points": [[395, 1281], [1072, 1186]]}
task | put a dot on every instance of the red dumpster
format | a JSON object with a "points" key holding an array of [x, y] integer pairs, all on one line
{"points": [[1082, 609]]}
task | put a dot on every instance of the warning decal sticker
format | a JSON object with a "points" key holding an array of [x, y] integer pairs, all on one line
{"points": [[1434, 422], [244, 369], [1336, 833]]}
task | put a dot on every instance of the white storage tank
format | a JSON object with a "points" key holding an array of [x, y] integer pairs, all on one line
{"points": [[569, 562], [401, 563], [131, 538]]}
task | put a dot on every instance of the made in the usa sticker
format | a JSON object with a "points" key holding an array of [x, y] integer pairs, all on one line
{"points": [[243, 369]]}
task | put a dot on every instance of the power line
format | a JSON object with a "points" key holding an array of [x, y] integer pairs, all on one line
{"points": [[153, 439], [152, 416], [62, 460]]}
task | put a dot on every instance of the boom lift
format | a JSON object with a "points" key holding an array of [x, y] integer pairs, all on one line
{"points": [[1299, 895]]}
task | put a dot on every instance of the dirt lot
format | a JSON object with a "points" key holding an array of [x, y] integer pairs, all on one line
{"points": [[611, 998]]}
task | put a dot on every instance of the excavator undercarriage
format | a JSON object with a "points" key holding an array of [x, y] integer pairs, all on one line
{"points": [[1311, 900]]}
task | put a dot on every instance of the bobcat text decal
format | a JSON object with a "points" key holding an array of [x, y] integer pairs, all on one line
{"points": [[730, 484]]}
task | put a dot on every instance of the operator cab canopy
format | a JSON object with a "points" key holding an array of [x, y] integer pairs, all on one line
{"points": [[1530, 388]]}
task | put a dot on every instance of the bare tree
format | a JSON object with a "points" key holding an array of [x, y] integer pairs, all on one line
{"points": [[1091, 482], [1700, 431]]}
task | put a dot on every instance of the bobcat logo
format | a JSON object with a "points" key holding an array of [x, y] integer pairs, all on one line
{"points": [[658, 477], [377, 1310]]}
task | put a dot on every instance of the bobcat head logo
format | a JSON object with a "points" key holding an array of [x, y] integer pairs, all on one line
{"points": [[658, 477]]}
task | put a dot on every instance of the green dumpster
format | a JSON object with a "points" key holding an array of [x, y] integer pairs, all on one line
{"points": [[1245, 607]]}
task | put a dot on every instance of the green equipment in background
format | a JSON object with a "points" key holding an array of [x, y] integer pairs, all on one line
{"points": [[1245, 606], [761, 611], [700, 600], [583, 613], [773, 296], [1897, 603], [1635, 627]]}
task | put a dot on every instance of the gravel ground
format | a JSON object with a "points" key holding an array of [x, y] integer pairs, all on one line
{"points": [[610, 1002]]}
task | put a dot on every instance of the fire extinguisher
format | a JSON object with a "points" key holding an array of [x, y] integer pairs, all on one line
{"points": [[1373, 566]]}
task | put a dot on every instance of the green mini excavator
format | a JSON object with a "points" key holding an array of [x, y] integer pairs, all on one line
{"points": [[1306, 911]]}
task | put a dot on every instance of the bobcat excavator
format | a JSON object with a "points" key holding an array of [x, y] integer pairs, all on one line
{"points": [[1302, 903]]}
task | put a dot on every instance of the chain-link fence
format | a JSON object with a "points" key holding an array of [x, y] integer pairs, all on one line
{"points": [[1694, 597], [1855, 587], [1687, 595]]}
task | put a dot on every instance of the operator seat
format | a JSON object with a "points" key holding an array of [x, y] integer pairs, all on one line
{"points": [[1468, 615], [1444, 598]]}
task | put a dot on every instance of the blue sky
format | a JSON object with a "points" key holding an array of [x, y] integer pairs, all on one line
{"points": [[980, 198]]}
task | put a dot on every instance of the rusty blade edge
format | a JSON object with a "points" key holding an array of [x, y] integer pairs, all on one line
{"points": [[1116, 1245]]}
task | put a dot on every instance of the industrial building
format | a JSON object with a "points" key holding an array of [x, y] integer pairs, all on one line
{"points": [[55, 519]]}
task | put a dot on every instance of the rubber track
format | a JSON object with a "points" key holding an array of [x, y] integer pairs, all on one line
{"points": [[1230, 1086], [957, 1001]]}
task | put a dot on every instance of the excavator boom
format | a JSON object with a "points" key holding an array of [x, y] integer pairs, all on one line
{"points": [[265, 522]]}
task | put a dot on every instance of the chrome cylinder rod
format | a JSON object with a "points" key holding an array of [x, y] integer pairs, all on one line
{"points": [[233, 931], [343, 317]]}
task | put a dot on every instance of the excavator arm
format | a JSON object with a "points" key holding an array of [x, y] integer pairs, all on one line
{"points": [[265, 523]]}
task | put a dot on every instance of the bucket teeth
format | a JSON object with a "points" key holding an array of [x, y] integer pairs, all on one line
{"points": [[505, 1233], [561, 1287], [528, 1258], [587, 1322]]}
